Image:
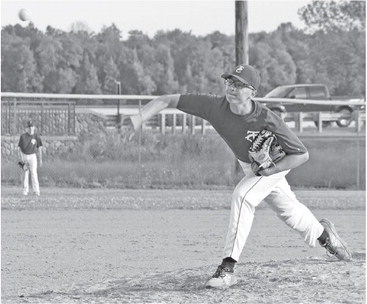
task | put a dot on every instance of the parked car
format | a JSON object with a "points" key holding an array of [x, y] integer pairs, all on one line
{"points": [[314, 92]]}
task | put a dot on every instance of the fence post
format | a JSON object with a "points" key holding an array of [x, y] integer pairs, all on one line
{"points": [[203, 126], [319, 119], [15, 118], [139, 149], [42, 109], [69, 118], [163, 123], [74, 118], [299, 122], [8, 125], [184, 121], [192, 124], [118, 107], [358, 120], [358, 153], [174, 124]]}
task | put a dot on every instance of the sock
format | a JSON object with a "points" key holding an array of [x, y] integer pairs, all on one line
{"points": [[323, 237], [229, 263]]}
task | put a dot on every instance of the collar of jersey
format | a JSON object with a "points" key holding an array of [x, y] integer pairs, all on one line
{"points": [[250, 115]]}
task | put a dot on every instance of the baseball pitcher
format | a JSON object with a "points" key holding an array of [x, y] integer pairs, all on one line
{"points": [[267, 150]]}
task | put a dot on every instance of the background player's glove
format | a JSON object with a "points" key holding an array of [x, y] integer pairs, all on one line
{"points": [[23, 165], [265, 151]]}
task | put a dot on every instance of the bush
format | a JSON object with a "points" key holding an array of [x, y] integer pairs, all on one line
{"points": [[186, 161]]}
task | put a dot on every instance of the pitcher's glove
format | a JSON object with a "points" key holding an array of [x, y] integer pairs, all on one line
{"points": [[23, 165], [265, 151]]}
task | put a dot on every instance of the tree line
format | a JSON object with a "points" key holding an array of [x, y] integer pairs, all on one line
{"points": [[330, 50]]}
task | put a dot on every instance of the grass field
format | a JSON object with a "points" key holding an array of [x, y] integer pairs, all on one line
{"points": [[160, 246], [191, 162]]}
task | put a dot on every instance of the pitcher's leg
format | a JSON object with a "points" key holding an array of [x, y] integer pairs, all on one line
{"points": [[296, 215], [241, 217], [249, 192]]}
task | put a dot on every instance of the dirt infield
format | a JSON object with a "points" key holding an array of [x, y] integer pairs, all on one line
{"points": [[125, 246]]}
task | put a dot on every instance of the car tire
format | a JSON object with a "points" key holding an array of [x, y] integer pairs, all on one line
{"points": [[344, 122]]}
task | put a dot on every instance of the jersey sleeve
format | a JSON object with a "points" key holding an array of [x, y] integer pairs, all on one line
{"points": [[289, 141], [198, 104]]}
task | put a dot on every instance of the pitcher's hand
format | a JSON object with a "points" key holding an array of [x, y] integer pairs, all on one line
{"points": [[127, 128]]}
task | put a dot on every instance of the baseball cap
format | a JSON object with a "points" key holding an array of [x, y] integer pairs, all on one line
{"points": [[245, 74], [29, 124]]}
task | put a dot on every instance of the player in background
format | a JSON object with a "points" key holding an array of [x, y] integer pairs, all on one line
{"points": [[238, 119], [30, 144]]}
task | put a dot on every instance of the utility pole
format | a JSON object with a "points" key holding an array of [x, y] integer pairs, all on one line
{"points": [[241, 42], [241, 32]]}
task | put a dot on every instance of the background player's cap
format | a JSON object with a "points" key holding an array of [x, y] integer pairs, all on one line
{"points": [[246, 74], [29, 124]]}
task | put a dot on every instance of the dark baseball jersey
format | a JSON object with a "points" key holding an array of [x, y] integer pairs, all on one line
{"points": [[236, 130], [29, 144]]}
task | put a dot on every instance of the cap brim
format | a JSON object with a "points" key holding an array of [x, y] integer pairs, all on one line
{"points": [[227, 75]]}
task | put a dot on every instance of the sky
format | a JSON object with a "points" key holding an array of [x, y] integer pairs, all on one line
{"points": [[200, 17]]}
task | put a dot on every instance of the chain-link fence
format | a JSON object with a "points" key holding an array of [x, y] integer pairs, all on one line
{"points": [[85, 148]]}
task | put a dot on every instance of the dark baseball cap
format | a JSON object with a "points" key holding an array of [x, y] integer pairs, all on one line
{"points": [[245, 74], [29, 124]]}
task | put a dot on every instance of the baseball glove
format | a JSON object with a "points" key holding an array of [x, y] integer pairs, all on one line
{"points": [[23, 165], [265, 151]]}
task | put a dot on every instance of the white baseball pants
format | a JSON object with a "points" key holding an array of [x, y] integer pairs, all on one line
{"points": [[31, 159], [275, 191]]}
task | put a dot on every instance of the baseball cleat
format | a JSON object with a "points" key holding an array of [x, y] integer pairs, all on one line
{"points": [[222, 278], [334, 244]]}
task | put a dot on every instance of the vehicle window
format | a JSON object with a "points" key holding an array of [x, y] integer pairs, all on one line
{"points": [[298, 93], [317, 92], [278, 92]]}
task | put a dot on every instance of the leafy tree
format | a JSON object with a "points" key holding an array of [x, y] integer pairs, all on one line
{"points": [[138, 41], [144, 83], [339, 62], [181, 47], [62, 80], [270, 56], [334, 15], [19, 71], [161, 70], [48, 55], [109, 43], [297, 45], [225, 46], [80, 26], [88, 80], [80, 61], [110, 77], [71, 55]]}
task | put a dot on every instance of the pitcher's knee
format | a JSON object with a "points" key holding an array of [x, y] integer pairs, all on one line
{"points": [[292, 217], [241, 197], [243, 205]]}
